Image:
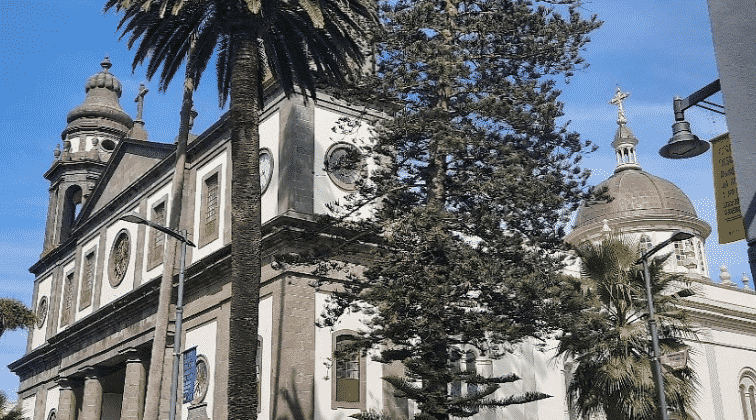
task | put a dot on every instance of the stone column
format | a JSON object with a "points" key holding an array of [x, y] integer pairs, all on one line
{"points": [[134, 386], [66, 400], [91, 406]]}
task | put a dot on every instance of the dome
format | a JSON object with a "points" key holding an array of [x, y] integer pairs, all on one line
{"points": [[101, 108], [636, 194]]}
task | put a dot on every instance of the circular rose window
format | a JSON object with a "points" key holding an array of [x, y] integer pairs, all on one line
{"points": [[119, 258], [41, 311]]}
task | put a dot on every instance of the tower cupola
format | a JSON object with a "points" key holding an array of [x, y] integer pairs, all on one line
{"points": [[99, 122]]}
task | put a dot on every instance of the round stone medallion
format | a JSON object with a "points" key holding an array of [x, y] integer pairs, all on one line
{"points": [[202, 380], [345, 165], [119, 257], [266, 168], [42, 307]]}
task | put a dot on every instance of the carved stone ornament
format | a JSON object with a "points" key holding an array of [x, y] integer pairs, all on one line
{"points": [[202, 381], [266, 168], [345, 165], [119, 257], [42, 307]]}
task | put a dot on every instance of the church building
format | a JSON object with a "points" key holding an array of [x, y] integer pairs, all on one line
{"points": [[97, 278]]}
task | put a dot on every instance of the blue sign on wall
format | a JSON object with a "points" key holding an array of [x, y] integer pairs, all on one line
{"points": [[190, 373]]}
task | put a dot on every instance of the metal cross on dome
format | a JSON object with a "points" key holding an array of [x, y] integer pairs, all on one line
{"points": [[617, 100]]}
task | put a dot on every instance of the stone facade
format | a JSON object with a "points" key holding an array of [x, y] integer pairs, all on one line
{"points": [[89, 358]]}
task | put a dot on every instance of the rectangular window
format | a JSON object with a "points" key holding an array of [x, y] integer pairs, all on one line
{"points": [[258, 373], [68, 300], [210, 210], [87, 283], [157, 238]]}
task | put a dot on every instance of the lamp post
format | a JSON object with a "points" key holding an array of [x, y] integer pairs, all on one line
{"points": [[180, 235], [677, 236]]}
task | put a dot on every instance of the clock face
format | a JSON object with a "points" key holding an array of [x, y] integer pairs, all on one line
{"points": [[119, 257], [345, 165], [266, 169]]}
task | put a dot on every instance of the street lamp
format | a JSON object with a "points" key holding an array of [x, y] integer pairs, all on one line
{"points": [[180, 235], [683, 143], [677, 236]]}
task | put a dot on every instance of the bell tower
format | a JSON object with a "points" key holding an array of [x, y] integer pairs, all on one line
{"points": [[94, 129]]}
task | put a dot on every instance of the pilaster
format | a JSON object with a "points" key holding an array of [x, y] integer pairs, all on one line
{"points": [[132, 407], [91, 406], [66, 400]]}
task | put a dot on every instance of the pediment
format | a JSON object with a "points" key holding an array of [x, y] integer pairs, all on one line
{"points": [[130, 161]]}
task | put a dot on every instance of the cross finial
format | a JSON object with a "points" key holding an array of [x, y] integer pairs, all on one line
{"points": [[617, 100], [140, 100]]}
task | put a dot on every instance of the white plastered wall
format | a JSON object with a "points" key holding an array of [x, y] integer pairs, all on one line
{"points": [[323, 367], [204, 337], [539, 370], [75, 141], [326, 192], [265, 329], [269, 133], [164, 192], [91, 246], [27, 406], [222, 160], [718, 358], [108, 292], [38, 334], [53, 395]]}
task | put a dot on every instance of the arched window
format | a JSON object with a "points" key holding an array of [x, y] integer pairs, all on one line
{"points": [[71, 205], [747, 389], [348, 390]]}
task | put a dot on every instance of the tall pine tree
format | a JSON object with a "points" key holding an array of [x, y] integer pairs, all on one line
{"points": [[476, 183]]}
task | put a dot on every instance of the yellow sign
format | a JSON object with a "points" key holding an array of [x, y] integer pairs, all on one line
{"points": [[729, 216]]}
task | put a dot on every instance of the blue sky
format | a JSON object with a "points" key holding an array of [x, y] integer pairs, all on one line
{"points": [[653, 49]]}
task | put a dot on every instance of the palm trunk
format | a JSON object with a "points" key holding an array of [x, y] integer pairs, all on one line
{"points": [[245, 232], [154, 379]]}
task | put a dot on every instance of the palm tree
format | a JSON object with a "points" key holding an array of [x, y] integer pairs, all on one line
{"points": [[609, 341], [7, 413], [15, 315], [298, 43]]}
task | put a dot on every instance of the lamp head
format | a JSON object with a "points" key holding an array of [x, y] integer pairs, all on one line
{"points": [[681, 294], [683, 143], [133, 218], [680, 236]]}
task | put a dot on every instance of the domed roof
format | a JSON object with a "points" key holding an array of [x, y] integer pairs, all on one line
{"points": [[101, 108], [636, 194]]}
